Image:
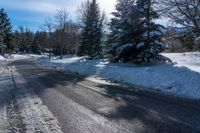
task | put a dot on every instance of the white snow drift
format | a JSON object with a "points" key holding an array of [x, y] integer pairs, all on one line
{"points": [[182, 78], [2, 58]]}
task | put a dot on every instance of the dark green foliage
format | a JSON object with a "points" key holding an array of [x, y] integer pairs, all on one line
{"points": [[39, 42], [134, 35], [6, 31], [91, 31], [24, 38]]}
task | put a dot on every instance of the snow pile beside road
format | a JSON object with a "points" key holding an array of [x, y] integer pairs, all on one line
{"points": [[181, 79], [2, 58], [18, 57], [12, 57]]}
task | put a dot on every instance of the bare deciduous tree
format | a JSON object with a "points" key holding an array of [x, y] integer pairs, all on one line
{"points": [[172, 41], [49, 27], [183, 12], [61, 18]]}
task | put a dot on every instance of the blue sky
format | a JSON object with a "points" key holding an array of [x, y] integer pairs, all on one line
{"points": [[31, 13]]}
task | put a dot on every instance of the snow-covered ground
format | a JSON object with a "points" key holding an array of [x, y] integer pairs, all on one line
{"points": [[2, 58], [188, 60], [21, 56], [7, 57], [182, 78]]}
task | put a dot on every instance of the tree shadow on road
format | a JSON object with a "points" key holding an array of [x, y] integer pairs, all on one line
{"points": [[158, 113], [28, 71]]}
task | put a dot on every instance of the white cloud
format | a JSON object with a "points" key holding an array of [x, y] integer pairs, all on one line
{"points": [[33, 12], [50, 6], [36, 5]]}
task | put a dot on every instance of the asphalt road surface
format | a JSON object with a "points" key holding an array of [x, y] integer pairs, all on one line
{"points": [[38, 99]]}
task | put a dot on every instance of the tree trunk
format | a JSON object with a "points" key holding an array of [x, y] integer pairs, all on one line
{"points": [[61, 54], [148, 21], [2, 46], [50, 49]]}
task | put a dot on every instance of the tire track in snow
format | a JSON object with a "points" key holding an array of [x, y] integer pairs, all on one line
{"points": [[14, 117], [4, 123], [36, 116], [26, 113]]}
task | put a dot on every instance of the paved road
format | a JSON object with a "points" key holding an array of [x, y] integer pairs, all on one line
{"points": [[73, 104]]}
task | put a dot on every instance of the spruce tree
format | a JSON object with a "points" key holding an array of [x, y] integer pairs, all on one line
{"points": [[132, 32], [6, 31], [91, 31]]}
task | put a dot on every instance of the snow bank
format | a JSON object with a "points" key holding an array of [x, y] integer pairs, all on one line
{"points": [[12, 57], [2, 58], [181, 79]]}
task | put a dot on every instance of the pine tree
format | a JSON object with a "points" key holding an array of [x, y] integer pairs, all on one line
{"points": [[6, 31], [132, 30], [92, 30], [39, 42]]}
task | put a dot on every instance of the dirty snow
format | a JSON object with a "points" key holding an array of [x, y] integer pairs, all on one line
{"points": [[4, 124], [36, 116], [21, 109], [182, 78]]}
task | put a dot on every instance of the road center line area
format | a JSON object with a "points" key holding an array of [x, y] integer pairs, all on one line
{"points": [[35, 99]]}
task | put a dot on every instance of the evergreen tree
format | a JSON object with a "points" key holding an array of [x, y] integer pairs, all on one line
{"points": [[92, 30], [39, 42], [133, 32], [6, 31], [23, 39]]}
